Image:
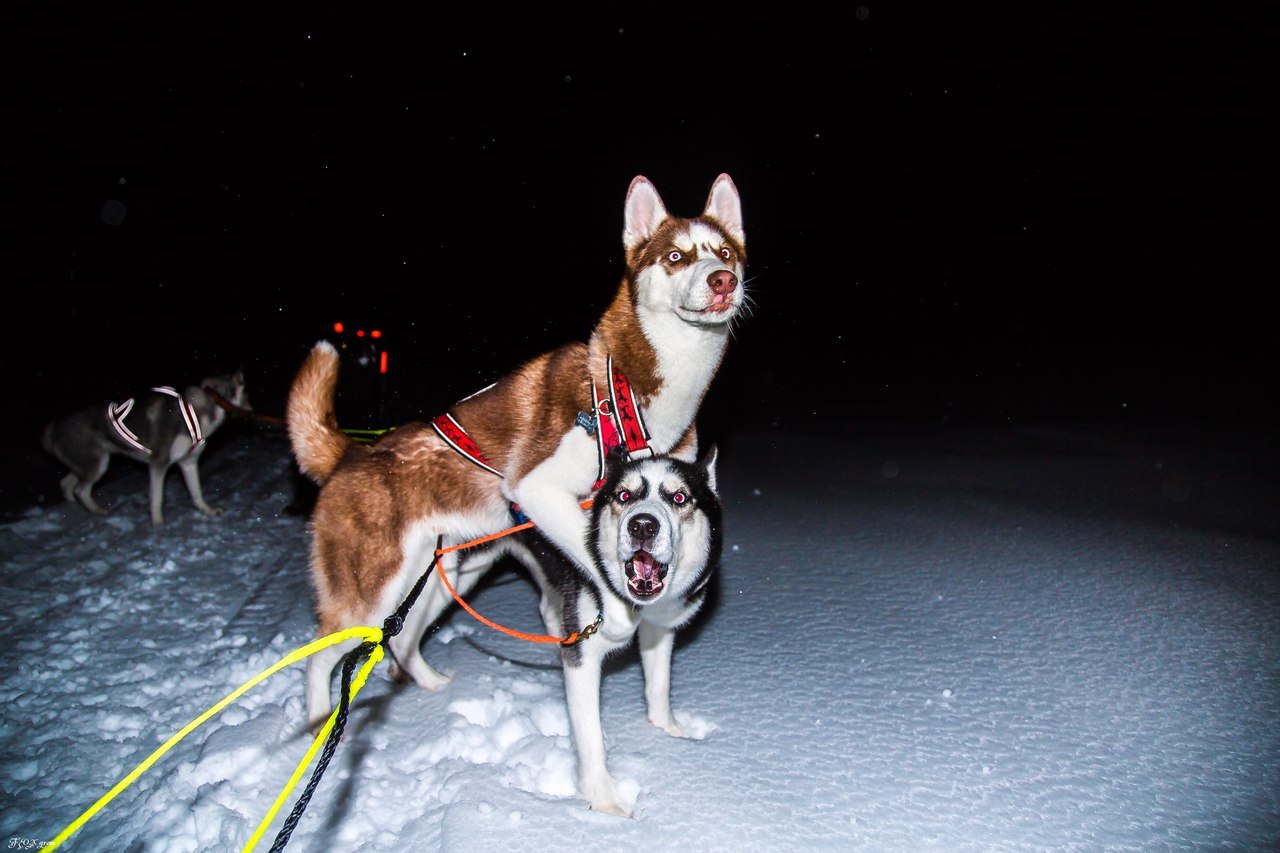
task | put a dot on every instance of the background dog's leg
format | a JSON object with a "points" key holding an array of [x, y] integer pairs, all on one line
{"points": [[582, 689], [191, 476], [68, 484], [655, 658], [155, 491], [79, 486]]}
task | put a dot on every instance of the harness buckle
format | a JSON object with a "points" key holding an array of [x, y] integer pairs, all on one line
{"points": [[585, 632]]}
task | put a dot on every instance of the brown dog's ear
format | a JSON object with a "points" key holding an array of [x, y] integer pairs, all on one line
{"points": [[643, 212], [725, 206]]}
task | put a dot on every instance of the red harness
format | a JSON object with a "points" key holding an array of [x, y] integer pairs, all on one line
{"points": [[615, 420], [622, 423]]}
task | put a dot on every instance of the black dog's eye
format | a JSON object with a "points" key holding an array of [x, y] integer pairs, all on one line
{"points": [[624, 496], [679, 498]]}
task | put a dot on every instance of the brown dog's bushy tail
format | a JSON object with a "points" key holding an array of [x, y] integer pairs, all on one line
{"points": [[317, 442]]}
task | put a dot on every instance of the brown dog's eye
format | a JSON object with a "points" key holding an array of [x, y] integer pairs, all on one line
{"points": [[675, 257], [726, 253]]}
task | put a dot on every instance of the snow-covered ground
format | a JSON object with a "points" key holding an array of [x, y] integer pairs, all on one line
{"points": [[943, 639]]}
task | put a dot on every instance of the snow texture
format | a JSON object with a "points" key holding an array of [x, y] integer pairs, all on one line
{"points": [[948, 640]]}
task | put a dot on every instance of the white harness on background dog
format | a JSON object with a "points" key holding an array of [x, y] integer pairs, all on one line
{"points": [[117, 412]]}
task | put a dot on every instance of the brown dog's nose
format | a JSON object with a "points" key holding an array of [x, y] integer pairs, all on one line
{"points": [[643, 527], [722, 282]]}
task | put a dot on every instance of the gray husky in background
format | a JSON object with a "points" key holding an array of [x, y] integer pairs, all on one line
{"points": [[656, 537], [161, 428]]}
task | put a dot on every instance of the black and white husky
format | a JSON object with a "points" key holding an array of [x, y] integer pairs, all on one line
{"points": [[655, 535], [161, 428]]}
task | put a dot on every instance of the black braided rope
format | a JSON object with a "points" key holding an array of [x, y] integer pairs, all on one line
{"points": [[349, 663], [395, 622], [390, 627]]}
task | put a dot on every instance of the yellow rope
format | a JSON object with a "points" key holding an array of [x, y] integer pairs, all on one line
{"points": [[356, 684], [373, 635], [362, 633]]}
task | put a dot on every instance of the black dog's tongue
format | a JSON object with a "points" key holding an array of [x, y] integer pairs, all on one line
{"points": [[644, 574]]}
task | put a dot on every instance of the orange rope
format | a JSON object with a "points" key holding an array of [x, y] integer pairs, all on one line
{"points": [[533, 638], [483, 539]]}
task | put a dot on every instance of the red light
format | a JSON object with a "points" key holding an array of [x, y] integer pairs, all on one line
{"points": [[339, 328], [383, 365], [376, 333], [360, 333]]}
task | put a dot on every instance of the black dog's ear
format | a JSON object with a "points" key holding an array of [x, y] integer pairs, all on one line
{"points": [[708, 465], [614, 460]]}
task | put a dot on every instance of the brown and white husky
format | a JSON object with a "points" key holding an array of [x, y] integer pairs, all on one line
{"points": [[532, 439]]}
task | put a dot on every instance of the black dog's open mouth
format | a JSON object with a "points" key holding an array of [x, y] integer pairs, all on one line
{"points": [[645, 576]]}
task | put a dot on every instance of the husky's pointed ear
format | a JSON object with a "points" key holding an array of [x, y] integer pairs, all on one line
{"points": [[614, 460], [643, 212], [725, 207], [708, 464]]}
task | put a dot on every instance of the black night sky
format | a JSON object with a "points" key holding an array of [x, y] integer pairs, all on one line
{"points": [[966, 217]]}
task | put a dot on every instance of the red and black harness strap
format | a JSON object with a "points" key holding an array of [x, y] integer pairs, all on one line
{"points": [[456, 437], [626, 414], [615, 420]]}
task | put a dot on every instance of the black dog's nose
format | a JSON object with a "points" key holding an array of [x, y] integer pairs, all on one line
{"points": [[643, 526]]}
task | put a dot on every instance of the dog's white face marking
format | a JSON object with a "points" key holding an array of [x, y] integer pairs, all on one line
{"points": [[232, 387], [655, 526], [239, 396], [687, 321], [697, 274], [691, 281]]}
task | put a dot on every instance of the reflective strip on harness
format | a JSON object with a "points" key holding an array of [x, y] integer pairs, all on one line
{"points": [[188, 415], [456, 437], [606, 433], [116, 413]]}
